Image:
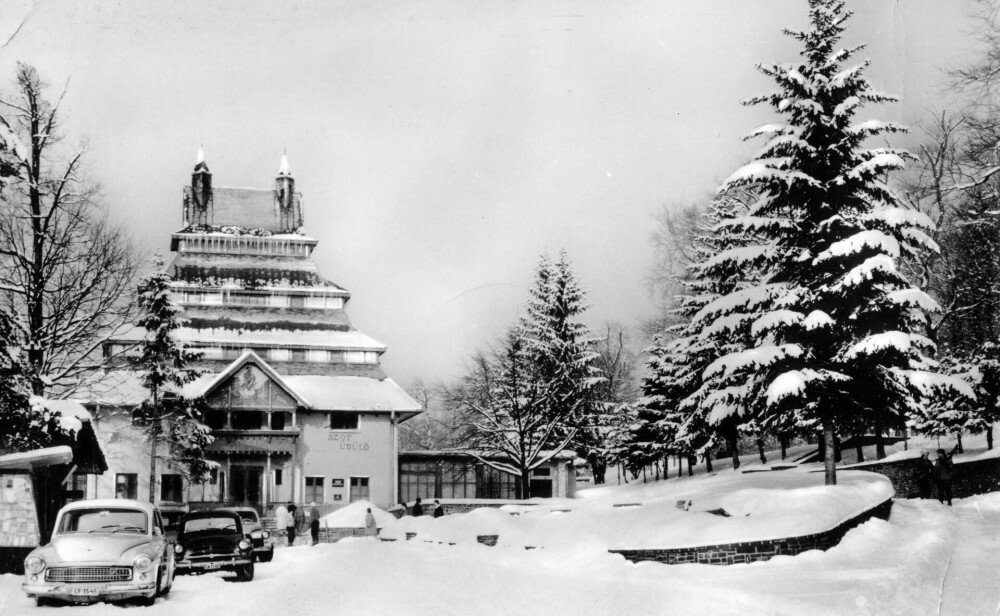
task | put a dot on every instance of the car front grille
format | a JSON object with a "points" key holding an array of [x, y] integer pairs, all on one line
{"points": [[88, 574]]}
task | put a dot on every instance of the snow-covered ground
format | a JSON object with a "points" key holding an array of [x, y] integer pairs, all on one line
{"points": [[764, 505], [894, 567], [927, 559]]}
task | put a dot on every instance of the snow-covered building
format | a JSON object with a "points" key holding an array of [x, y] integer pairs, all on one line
{"points": [[301, 409]]}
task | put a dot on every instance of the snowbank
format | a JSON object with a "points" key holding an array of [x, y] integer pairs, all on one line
{"points": [[353, 516], [756, 506]]}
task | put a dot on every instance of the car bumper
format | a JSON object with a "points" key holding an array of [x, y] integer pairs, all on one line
{"points": [[182, 567], [85, 592]]}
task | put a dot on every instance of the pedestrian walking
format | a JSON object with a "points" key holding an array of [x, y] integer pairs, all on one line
{"points": [[290, 523], [944, 473], [418, 509], [438, 509], [371, 530], [314, 525], [925, 475]]}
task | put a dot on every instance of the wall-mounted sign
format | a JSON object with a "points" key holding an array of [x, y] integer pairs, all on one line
{"points": [[337, 483], [337, 496]]}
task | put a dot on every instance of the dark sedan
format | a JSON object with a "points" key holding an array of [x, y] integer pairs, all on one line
{"points": [[213, 541]]}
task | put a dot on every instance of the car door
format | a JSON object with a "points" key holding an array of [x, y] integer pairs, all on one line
{"points": [[162, 547]]}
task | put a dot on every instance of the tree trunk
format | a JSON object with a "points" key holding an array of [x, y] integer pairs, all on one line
{"points": [[859, 450], [691, 462], [783, 438], [829, 442], [154, 443], [525, 484], [708, 461], [989, 437], [733, 451], [36, 285], [879, 443], [959, 444], [760, 450]]}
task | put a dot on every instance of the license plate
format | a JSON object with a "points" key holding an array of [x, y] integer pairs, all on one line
{"points": [[212, 565], [86, 591]]}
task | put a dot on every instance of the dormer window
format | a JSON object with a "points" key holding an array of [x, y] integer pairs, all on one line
{"points": [[343, 421]]}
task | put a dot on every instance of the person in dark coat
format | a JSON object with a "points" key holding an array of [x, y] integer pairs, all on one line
{"points": [[438, 509], [290, 529], [944, 473], [314, 525], [417, 509], [925, 474]]}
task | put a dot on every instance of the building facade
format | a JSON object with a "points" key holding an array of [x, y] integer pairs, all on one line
{"points": [[299, 406]]}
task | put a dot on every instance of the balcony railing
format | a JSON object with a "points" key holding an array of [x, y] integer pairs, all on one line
{"points": [[253, 441]]}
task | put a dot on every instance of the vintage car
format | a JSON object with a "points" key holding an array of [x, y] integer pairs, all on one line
{"points": [[172, 515], [102, 550], [213, 540], [260, 539]]}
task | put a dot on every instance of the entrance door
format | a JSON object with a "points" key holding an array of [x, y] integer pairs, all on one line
{"points": [[245, 486]]}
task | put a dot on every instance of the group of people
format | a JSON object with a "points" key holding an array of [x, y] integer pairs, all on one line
{"points": [[292, 519], [418, 508], [940, 472]]}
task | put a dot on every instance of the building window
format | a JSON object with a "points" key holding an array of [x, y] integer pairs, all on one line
{"points": [[298, 354], [126, 485], [248, 420], [359, 489], [343, 421], [314, 489], [171, 488], [277, 476], [336, 357], [215, 420], [278, 420], [213, 476], [297, 301]]}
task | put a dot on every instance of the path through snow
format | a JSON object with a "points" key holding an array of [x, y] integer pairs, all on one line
{"points": [[972, 581]]}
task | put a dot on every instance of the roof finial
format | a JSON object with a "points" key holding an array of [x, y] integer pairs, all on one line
{"points": [[201, 155], [283, 170]]}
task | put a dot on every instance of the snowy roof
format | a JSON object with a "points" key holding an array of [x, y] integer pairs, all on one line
{"points": [[49, 456], [352, 393], [298, 338], [313, 392]]}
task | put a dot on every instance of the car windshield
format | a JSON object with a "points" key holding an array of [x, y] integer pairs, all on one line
{"points": [[214, 525], [248, 516], [103, 521]]}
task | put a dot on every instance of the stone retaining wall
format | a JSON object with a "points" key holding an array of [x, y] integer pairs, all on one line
{"points": [[971, 478], [750, 551]]}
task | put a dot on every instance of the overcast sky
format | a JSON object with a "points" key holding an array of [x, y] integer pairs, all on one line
{"points": [[441, 146]]}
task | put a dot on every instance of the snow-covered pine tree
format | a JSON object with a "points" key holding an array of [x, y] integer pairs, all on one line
{"points": [[680, 354], [168, 419], [835, 327], [557, 343], [22, 427]]}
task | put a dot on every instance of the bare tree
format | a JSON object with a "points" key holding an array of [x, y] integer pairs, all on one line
{"points": [[506, 404], [442, 425], [66, 273]]}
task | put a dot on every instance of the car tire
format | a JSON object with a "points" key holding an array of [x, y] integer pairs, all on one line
{"points": [[265, 557], [244, 573], [44, 602]]}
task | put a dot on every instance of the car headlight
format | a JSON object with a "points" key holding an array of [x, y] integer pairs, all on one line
{"points": [[256, 535], [34, 564], [267, 534], [178, 548], [142, 562], [244, 544]]}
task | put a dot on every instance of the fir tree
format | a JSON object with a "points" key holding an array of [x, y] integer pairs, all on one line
{"points": [[557, 344], [834, 326], [168, 419], [23, 426]]}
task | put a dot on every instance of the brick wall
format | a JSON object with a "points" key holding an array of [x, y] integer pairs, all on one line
{"points": [[750, 551], [971, 478]]}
